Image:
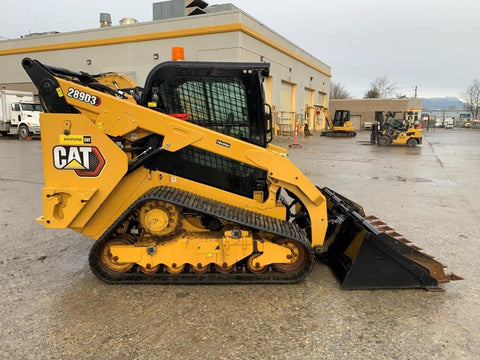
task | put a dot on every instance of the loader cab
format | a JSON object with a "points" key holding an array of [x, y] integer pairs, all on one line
{"points": [[224, 97], [341, 117]]}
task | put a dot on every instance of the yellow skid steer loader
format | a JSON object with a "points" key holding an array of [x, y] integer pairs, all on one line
{"points": [[178, 183]]}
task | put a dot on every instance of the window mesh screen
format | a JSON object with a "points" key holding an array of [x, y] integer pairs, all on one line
{"points": [[217, 103], [217, 162]]}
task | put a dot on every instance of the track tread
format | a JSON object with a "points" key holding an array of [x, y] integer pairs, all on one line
{"points": [[243, 217]]}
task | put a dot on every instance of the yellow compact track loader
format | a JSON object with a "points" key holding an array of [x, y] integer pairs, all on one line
{"points": [[177, 183], [340, 125]]}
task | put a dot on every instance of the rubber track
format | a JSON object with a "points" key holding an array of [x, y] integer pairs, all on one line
{"points": [[244, 218], [331, 133]]}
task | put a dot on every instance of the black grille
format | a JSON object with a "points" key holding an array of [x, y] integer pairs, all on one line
{"points": [[93, 161]]}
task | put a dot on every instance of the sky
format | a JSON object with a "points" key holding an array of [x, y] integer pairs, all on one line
{"points": [[429, 44]]}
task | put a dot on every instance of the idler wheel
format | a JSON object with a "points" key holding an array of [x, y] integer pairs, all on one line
{"points": [[298, 254], [110, 262]]}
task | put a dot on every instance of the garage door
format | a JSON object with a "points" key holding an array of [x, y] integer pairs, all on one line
{"points": [[286, 96], [285, 119], [308, 97], [356, 121], [308, 100], [321, 99]]}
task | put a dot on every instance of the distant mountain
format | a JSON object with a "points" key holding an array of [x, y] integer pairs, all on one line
{"points": [[443, 103]]}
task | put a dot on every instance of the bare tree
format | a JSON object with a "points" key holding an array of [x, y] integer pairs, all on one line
{"points": [[380, 88], [338, 91], [472, 97]]}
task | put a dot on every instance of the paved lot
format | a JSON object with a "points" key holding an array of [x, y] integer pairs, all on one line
{"points": [[53, 307]]}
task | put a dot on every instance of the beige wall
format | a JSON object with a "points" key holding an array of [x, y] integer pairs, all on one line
{"points": [[130, 49], [365, 108]]}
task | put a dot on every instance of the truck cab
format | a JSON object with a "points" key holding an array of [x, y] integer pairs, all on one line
{"points": [[19, 114], [448, 123], [28, 115]]}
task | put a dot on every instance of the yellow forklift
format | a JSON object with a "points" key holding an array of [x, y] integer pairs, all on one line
{"points": [[390, 130]]}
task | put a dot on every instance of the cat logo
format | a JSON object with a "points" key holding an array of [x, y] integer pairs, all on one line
{"points": [[84, 160]]}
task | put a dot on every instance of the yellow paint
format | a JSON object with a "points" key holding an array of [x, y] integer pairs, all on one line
{"points": [[404, 136], [65, 191], [116, 117], [198, 249], [268, 89], [265, 40], [62, 204], [201, 249], [206, 30], [116, 81], [347, 125]]}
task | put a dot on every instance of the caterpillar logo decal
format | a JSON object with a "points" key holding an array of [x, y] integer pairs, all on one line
{"points": [[84, 160]]}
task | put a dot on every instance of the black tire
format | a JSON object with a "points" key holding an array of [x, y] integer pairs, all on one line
{"points": [[23, 132], [383, 140], [354, 134], [412, 142]]}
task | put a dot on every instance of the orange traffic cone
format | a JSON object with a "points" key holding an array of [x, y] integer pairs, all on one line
{"points": [[295, 139]]}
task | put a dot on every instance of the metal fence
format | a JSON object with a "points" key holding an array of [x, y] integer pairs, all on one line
{"points": [[284, 122]]}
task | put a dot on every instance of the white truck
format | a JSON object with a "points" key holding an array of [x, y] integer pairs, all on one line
{"points": [[19, 114], [449, 122]]}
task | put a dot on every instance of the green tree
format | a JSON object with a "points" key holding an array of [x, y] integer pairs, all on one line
{"points": [[372, 93]]}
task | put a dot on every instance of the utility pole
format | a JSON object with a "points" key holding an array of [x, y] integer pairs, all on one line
{"points": [[415, 91]]}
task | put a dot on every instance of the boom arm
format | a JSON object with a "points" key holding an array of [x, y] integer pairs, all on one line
{"points": [[328, 118]]}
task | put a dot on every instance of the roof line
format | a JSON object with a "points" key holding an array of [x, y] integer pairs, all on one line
{"points": [[206, 30]]}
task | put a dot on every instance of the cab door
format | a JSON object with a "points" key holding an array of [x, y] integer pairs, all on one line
{"points": [[16, 113]]}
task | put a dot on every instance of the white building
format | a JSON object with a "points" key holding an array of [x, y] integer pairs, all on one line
{"points": [[297, 79]]}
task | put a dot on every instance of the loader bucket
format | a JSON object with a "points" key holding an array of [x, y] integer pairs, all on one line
{"points": [[365, 257]]}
